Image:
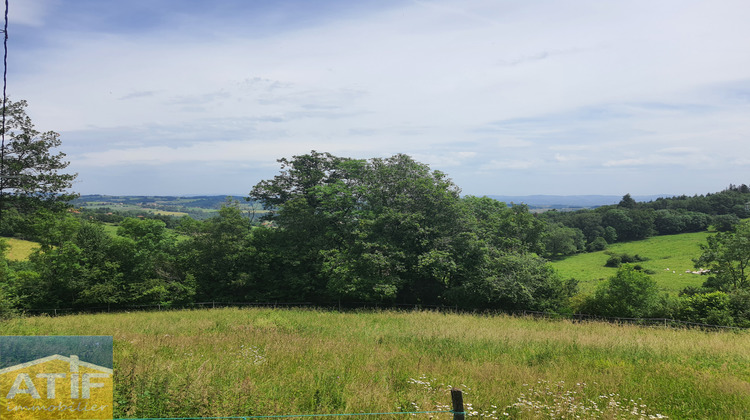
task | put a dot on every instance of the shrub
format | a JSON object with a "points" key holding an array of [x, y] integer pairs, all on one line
{"points": [[613, 261], [630, 293], [618, 259], [708, 308], [598, 244]]}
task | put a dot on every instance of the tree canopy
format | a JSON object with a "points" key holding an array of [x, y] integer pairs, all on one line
{"points": [[727, 256], [30, 172], [392, 230]]}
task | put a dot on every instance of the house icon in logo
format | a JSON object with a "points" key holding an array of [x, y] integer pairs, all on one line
{"points": [[56, 387]]}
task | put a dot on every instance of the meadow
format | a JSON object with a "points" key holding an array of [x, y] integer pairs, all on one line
{"points": [[20, 249], [233, 362], [669, 257]]}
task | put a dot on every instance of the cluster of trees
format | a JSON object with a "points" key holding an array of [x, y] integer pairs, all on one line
{"points": [[342, 231]]}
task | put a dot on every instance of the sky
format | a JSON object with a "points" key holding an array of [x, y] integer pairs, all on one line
{"points": [[574, 97]]}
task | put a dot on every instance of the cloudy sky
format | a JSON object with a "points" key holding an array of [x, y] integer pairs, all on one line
{"points": [[179, 97]]}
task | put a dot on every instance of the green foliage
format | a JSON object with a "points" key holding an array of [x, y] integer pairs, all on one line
{"points": [[727, 256], [217, 255], [598, 244], [392, 230], [627, 202], [629, 294], [616, 260], [708, 308], [739, 307], [30, 170], [511, 229], [561, 241], [670, 222], [725, 222], [613, 261], [8, 300], [514, 281], [630, 224]]}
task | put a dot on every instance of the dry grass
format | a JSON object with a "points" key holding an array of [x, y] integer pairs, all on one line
{"points": [[231, 362], [20, 249]]}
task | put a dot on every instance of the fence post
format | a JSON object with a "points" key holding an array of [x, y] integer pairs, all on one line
{"points": [[458, 404]]}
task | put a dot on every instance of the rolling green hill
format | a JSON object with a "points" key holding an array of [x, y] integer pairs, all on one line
{"points": [[669, 256]]}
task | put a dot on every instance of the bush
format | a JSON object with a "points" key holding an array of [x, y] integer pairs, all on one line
{"points": [[618, 259], [630, 293], [598, 244], [707, 308], [613, 261], [725, 222], [739, 305]]}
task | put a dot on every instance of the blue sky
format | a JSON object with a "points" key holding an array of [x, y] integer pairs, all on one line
{"points": [[179, 97]]}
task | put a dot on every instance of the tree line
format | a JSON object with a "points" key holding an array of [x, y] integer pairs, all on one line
{"points": [[352, 231], [341, 230]]}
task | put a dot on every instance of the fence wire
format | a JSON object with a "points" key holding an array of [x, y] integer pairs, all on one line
{"points": [[290, 416]]}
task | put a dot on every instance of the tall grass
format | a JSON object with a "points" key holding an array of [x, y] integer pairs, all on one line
{"points": [[231, 362]]}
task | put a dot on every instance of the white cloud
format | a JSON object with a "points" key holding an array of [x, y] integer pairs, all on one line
{"points": [[511, 143], [465, 85], [568, 158], [495, 165]]}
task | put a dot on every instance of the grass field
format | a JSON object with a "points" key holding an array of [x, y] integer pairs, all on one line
{"points": [[233, 362], [669, 256], [20, 249]]}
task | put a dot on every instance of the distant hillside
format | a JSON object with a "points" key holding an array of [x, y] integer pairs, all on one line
{"points": [[569, 201], [214, 202], [201, 201], [197, 207]]}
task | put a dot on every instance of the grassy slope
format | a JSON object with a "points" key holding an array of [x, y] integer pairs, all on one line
{"points": [[233, 362], [20, 249], [672, 252]]}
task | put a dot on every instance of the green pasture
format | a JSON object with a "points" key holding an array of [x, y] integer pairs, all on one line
{"points": [[669, 256], [242, 362], [20, 249]]}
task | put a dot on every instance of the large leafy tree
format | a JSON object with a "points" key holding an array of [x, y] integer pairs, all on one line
{"points": [[393, 230], [727, 256], [312, 202], [375, 230], [219, 256], [30, 171], [399, 239]]}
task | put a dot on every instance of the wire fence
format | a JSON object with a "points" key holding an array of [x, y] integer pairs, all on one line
{"points": [[664, 322], [292, 416], [457, 401]]}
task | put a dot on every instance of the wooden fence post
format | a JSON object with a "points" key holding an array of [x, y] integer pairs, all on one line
{"points": [[458, 404]]}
